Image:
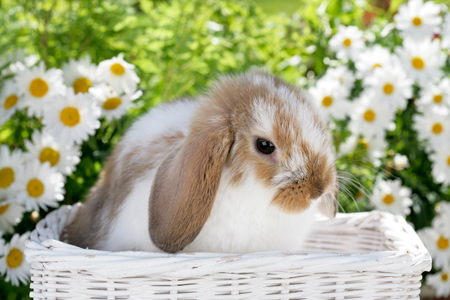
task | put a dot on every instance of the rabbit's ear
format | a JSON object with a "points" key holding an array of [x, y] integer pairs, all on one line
{"points": [[186, 184]]}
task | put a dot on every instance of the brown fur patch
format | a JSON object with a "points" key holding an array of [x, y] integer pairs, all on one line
{"points": [[293, 198]]}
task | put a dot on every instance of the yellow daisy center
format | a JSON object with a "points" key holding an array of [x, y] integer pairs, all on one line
{"points": [[10, 101], [448, 160], [388, 88], [347, 42], [6, 177], [442, 243], [38, 87], [327, 101], [369, 115], [117, 69], [112, 103], [35, 188], [388, 199], [50, 155], [437, 128], [70, 116], [14, 258], [444, 277], [437, 98], [3, 209], [417, 21], [418, 63], [81, 85], [376, 66]]}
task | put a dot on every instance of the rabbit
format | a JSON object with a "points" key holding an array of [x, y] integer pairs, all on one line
{"points": [[244, 168]]}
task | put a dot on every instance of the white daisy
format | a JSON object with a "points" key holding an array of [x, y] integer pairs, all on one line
{"points": [[19, 66], [40, 186], [344, 76], [18, 61], [11, 214], [391, 196], [437, 243], [442, 219], [433, 127], [369, 117], [13, 262], [113, 105], [418, 20], [400, 162], [391, 85], [61, 156], [330, 97], [445, 42], [38, 86], [10, 171], [347, 42], [80, 75], [348, 145], [441, 165], [373, 58], [119, 74], [441, 282], [375, 146], [422, 60], [9, 100], [72, 118], [435, 96]]}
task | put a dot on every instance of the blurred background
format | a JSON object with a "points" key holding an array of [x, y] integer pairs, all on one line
{"points": [[178, 47]]}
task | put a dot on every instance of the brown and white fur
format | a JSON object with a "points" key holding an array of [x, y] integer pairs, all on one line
{"points": [[187, 176]]}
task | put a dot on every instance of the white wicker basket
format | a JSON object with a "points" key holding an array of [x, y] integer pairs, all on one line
{"points": [[356, 256]]}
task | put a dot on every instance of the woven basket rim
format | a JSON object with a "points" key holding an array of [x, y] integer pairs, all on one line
{"points": [[410, 255]]}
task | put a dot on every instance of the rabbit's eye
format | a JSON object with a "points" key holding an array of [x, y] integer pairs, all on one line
{"points": [[264, 146]]}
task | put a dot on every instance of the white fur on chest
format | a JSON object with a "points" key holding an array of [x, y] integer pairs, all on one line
{"points": [[243, 220]]}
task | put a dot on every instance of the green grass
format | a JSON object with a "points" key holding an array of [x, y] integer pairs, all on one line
{"points": [[277, 6]]}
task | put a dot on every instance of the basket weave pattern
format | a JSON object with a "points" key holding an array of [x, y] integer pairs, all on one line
{"points": [[371, 255]]}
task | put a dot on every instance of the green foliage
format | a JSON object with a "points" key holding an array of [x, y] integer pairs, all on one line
{"points": [[175, 50]]}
